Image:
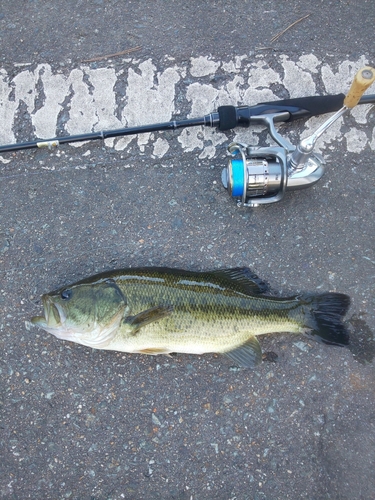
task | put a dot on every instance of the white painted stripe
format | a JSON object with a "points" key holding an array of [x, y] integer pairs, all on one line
{"points": [[89, 99]]}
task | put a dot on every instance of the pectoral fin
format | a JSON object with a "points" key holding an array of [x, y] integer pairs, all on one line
{"points": [[248, 355], [148, 316]]}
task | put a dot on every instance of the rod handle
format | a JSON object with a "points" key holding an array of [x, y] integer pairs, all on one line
{"points": [[362, 80]]}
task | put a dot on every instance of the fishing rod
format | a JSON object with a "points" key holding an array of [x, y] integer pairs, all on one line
{"points": [[254, 175]]}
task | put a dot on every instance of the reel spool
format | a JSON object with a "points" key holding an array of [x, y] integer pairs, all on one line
{"points": [[257, 177], [261, 176]]}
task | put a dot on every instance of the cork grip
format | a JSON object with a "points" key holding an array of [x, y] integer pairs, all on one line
{"points": [[362, 80]]}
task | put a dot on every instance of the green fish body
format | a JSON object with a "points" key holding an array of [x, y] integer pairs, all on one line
{"points": [[160, 310]]}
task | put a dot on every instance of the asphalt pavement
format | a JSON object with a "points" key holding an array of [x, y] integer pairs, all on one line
{"points": [[79, 423]]}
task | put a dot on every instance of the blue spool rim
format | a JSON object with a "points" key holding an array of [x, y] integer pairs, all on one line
{"points": [[237, 177]]}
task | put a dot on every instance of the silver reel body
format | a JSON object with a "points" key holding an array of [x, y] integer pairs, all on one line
{"points": [[258, 176]]}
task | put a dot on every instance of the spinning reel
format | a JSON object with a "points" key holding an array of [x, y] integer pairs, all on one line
{"points": [[256, 176]]}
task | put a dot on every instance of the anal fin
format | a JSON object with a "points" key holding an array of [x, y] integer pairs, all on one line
{"points": [[153, 351], [248, 354]]}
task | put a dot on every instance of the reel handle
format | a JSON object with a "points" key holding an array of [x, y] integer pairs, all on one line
{"points": [[362, 81], [301, 155]]}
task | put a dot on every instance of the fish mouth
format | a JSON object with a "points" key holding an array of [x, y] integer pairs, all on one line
{"points": [[53, 318]]}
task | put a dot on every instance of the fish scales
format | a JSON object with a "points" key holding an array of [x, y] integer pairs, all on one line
{"points": [[157, 310], [204, 317]]}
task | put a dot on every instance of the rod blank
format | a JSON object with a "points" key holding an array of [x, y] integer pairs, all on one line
{"points": [[227, 117]]}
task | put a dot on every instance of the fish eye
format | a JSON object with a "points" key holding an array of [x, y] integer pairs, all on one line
{"points": [[66, 294]]}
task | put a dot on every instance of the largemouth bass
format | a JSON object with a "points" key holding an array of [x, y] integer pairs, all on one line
{"points": [[161, 310]]}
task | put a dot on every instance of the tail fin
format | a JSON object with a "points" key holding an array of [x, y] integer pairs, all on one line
{"points": [[325, 318]]}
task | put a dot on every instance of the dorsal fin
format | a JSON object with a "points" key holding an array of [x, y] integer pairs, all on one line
{"points": [[242, 279]]}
